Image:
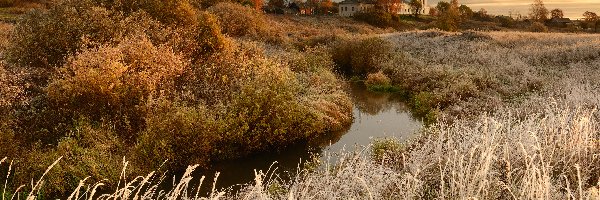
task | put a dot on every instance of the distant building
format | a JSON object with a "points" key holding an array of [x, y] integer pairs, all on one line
{"points": [[406, 10], [348, 8], [559, 22]]}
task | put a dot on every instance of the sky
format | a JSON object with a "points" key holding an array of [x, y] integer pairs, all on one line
{"points": [[571, 8]]}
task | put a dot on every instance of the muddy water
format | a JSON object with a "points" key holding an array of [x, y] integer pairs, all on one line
{"points": [[376, 115]]}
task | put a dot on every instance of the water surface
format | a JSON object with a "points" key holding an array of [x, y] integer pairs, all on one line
{"points": [[376, 115]]}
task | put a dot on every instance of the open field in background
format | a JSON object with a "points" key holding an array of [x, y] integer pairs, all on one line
{"points": [[468, 73]]}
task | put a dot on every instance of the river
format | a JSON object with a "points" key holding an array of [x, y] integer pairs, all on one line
{"points": [[376, 115]]}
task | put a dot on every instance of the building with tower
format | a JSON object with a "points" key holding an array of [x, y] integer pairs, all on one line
{"points": [[348, 8]]}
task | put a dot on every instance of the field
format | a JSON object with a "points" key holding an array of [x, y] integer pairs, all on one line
{"points": [[116, 100], [536, 143]]}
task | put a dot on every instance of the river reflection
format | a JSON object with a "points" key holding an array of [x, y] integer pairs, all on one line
{"points": [[376, 115]]}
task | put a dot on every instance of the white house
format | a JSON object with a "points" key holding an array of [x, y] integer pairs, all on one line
{"points": [[347, 8]]}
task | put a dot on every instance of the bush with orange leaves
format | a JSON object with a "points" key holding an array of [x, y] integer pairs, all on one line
{"points": [[143, 79], [44, 38], [237, 20], [114, 82], [378, 78]]}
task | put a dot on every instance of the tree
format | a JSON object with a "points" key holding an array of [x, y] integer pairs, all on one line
{"points": [[449, 16], [538, 11], [416, 7], [276, 3], [390, 6], [590, 16], [442, 6], [325, 6], [258, 4], [465, 12], [556, 13], [433, 11], [482, 14]]}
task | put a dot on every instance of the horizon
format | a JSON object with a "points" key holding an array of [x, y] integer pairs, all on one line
{"points": [[573, 9]]}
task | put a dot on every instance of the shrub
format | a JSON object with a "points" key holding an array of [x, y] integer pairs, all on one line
{"points": [[265, 114], [44, 38], [10, 89], [316, 59], [376, 18], [424, 104], [380, 82], [360, 56], [237, 20], [538, 27], [9, 143], [7, 3], [5, 32], [213, 80], [89, 151], [178, 134], [115, 82], [207, 37], [387, 151], [179, 12], [378, 78]]}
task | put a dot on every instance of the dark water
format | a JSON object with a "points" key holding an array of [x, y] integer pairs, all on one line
{"points": [[376, 115]]}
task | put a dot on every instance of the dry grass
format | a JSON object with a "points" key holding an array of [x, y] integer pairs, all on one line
{"points": [[472, 72], [530, 130], [5, 30], [552, 154]]}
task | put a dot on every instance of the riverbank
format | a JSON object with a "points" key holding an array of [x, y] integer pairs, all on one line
{"points": [[164, 91], [505, 142], [515, 108], [542, 143]]}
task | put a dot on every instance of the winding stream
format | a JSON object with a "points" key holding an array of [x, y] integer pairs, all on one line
{"points": [[376, 115]]}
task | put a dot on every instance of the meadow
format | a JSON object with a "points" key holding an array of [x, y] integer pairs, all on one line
{"points": [[103, 106]]}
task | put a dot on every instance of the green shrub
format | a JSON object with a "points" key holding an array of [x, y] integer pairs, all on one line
{"points": [[360, 56], [379, 82], [92, 151], [387, 151], [424, 102], [316, 59], [179, 134], [266, 114]]}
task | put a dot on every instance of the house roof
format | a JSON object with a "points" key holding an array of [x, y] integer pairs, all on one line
{"points": [[561, 20], [354, 2]]}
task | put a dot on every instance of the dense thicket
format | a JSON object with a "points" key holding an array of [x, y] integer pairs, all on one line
{"points": [[98, 80]]}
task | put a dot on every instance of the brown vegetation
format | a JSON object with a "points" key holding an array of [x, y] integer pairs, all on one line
{"points": [[156, 81]]}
